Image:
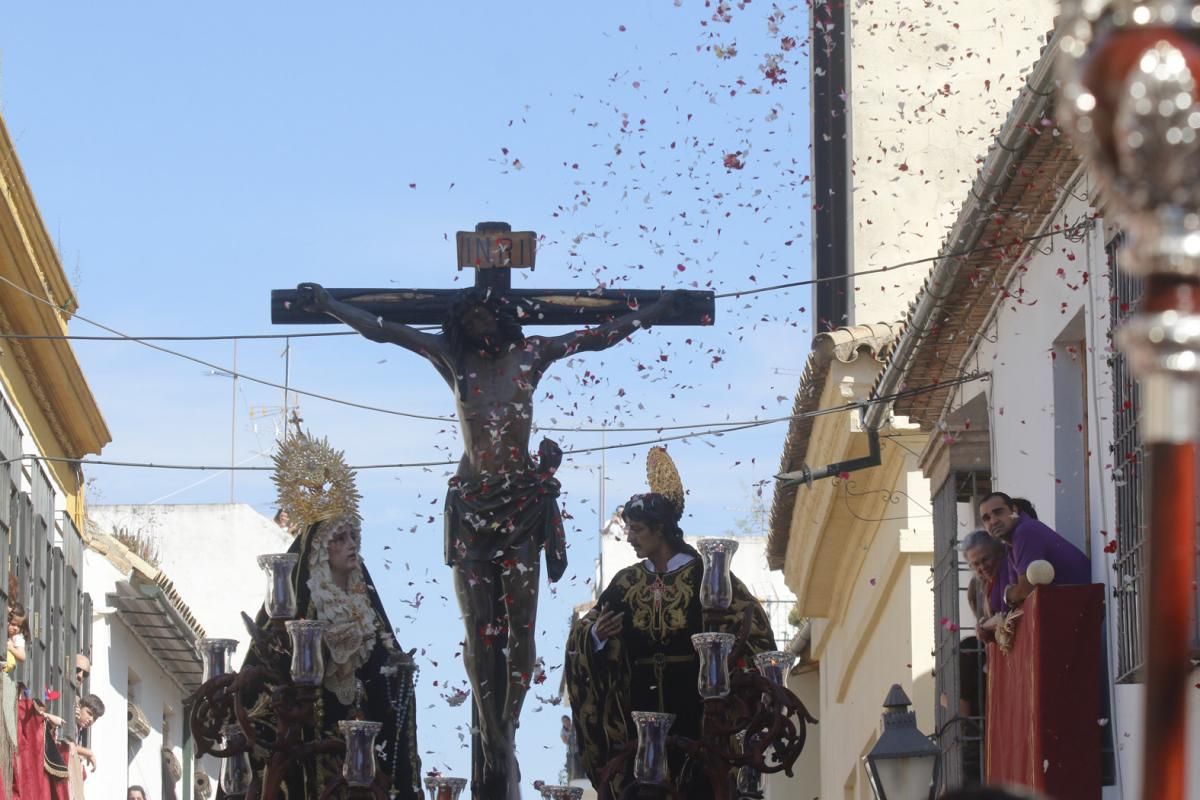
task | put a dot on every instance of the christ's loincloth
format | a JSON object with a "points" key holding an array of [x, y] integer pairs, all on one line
{"points": [[489, 517]]}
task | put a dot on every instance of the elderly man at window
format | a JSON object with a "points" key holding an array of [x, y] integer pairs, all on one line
{"points": [[986, 557]]}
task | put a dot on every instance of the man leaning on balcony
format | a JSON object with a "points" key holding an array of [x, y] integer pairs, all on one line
{"points": [[1028, 540]]}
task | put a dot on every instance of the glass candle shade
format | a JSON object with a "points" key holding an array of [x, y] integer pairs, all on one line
{"points": [[215, 654], [749, 780], [444, 788], [716, 584], [308, 662], [650, 764], [561, 792], [236, 771], [774, 665], [280, 602], [359, 766], [714, 650]]}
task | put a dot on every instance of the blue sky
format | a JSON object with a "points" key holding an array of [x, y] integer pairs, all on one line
{"points": [[186, 161]]}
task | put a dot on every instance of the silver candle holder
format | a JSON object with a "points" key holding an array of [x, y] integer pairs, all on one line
{"points": [[358, 768], [308, 661], [714, 650], [280, 602], [650, 764], [215, 654], [442, 787], [716, 583], [236, 771]]}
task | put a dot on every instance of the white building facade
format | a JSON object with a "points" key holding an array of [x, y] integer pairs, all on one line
{"points": [[146, 625]]}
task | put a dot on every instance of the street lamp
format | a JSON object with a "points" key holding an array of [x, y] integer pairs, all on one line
{"points": [[900, 765]]}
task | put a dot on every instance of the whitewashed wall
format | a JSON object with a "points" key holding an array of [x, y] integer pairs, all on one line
{"points": [[930, 82], [117, 655], [202, 547], [1026, 422]]}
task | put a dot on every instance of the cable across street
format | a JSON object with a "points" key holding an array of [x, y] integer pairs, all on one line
{"points": [[714, 431]]}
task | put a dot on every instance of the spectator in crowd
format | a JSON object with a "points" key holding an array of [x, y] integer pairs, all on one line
{"points": [[1025, 507], [83, 668], [987, 558], [75, 755], [136, 793], [282, 519], [1028, 540], [18, 630]]}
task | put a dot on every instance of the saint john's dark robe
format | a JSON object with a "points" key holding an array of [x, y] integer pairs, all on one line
{"points": [[650, 666]]}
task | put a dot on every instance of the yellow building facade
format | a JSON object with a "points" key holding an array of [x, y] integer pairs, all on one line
{"points": [[49, 420], [41, 378]]}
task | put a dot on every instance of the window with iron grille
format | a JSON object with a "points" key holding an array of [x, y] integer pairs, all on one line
{"points": [[23, 564], [1130, 465], [959, 658], [10, 482], [70, 633], [41, 532]]}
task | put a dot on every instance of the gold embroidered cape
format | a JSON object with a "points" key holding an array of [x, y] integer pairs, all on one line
{"points": [[650, 666]]}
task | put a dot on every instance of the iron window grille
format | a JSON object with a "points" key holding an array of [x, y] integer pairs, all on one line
{"points": [[958, 658], [1130, 464]]}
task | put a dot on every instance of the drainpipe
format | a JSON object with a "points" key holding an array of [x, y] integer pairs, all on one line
{"points": [[806, 475]]}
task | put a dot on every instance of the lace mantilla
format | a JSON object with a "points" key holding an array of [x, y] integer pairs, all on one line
{"points": [[351, 624]]}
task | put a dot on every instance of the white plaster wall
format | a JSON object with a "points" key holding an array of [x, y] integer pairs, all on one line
{"points": [[116, 653], [1024, 422], [203, 548], [805, 783], [884, 637], [930, 84]]}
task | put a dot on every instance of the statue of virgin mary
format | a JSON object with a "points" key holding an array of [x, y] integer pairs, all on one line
{"points": [[367, 674]]}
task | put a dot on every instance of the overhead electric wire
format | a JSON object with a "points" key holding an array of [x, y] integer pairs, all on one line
{"points": [[239, 337], [716, 431], [120, 337], [148, 341], [778, 286], [230, 372]]}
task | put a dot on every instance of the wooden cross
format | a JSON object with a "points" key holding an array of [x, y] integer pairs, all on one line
{"points": [[494, 250]]}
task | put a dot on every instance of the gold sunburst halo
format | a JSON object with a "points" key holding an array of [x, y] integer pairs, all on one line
{"points": [[313, 480], [664, 477]]}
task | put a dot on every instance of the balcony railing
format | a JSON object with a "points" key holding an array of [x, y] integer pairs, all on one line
{"points": [[1043, 701]]}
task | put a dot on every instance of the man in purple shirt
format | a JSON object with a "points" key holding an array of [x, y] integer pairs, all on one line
{"points": [[1028, 540]]}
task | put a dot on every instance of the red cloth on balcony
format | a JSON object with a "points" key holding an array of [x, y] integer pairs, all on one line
{"points": [[1043, 703], [31, 781]]}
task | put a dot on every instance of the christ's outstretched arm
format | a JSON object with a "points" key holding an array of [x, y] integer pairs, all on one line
{"points": [[602, 337], [314, 297]]}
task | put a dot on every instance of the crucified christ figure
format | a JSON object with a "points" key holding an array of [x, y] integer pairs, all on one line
{"points": [[501, 507]]}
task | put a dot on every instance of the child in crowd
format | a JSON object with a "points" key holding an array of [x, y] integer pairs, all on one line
{"points": [[18, 630]]}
